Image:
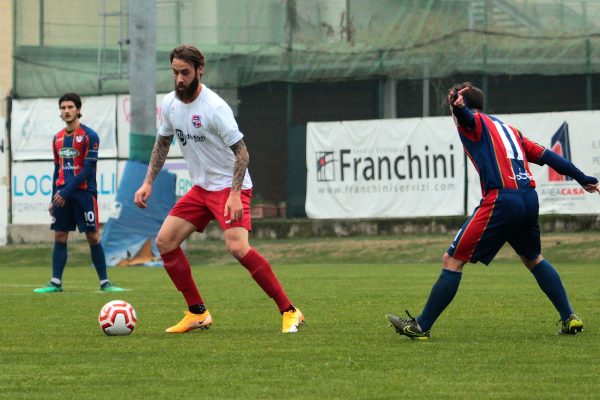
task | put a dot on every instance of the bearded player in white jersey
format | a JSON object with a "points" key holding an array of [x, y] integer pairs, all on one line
{"points": [[217, 160]]}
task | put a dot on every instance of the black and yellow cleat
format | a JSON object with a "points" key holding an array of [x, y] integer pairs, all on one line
{"points": [[408, 327], [571, 325]]}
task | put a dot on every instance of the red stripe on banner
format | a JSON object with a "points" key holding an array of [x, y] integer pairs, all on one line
{"points": [[476, 227]]}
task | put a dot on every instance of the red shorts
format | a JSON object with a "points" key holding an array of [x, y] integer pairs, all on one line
{"points": [[200, 206]]}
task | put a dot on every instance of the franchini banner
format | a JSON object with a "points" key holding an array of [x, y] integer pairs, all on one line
{"points": [[415, 167], [384, 168]]}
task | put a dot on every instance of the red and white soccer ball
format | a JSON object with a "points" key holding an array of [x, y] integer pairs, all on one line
{"points": [[117, 318]]}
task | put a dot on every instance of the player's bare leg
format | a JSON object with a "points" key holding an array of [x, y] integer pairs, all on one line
{"points": [[172, 233]]}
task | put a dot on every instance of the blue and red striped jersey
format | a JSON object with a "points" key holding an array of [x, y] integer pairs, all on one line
{"points": [[71, 150], [500, 153]]}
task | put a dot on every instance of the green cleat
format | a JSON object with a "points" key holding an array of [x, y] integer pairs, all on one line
{"points": [[108, 287], [571, 325], [408, 327], [51, 287]]}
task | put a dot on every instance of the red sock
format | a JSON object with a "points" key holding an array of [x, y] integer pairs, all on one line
{"points": [[178, 268], [262, 273]]}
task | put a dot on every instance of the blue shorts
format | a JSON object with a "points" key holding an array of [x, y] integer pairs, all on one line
{"points": [[502, 216], [81, 210]]}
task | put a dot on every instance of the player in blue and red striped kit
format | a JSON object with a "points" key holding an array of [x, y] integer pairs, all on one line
{"points": [[508, 211], [74, 193]]}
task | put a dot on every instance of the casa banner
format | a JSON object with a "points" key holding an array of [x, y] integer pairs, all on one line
{"points": [[574, 135], [384, 169], [35, 122]]}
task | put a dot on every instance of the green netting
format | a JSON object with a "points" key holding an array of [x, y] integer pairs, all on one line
{"points": [[64, 45]]}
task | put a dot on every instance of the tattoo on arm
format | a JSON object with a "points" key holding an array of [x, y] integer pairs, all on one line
{"points": [[159, 155], [241, 164]]}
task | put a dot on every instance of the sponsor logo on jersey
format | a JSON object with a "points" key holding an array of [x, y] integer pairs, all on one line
{"points": [[183, 138], [521, 176], [68, 152], [196, 121]]}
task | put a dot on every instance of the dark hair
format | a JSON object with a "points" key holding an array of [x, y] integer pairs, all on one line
{"points": [[189, 54], [74, 97], [474, 97]]}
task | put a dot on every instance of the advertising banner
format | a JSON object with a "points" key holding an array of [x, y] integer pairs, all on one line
{"points": [[574, 135], [35, 122], [124, 125], [384, 168], [32, 190]]}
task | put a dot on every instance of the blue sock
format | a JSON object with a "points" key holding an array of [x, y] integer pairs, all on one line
{"points": [[99, 260], [59, 260], [441, 295], [549, 280]]}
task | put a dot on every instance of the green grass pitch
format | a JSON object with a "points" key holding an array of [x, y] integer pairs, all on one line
{"points": [[497, 340]]}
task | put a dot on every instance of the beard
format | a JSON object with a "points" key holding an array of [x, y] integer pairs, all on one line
{"points": [[187, 93]]}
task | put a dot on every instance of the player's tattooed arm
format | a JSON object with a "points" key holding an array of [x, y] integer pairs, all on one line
{"points": [[158, 157], [241, 164]]}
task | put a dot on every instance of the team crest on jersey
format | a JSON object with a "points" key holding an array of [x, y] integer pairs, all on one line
{"points": [[196, 121], [79, 139]]}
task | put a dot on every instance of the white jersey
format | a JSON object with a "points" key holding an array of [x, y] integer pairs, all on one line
{"points": [[205, 130]]}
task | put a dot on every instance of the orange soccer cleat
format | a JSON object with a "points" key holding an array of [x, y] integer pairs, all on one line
{"points": [[192, 321], [292, 321]]}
